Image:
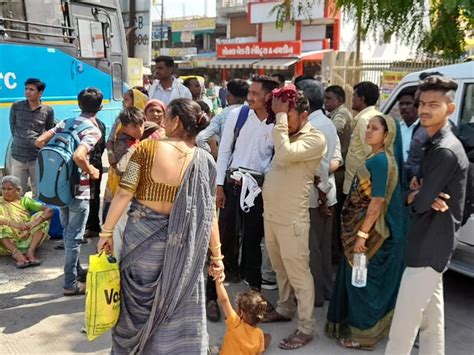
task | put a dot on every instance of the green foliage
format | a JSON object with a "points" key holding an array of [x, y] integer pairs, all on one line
{"points": [[288, 11], [449, 22]]}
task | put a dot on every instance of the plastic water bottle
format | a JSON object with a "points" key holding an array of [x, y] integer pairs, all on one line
{"points": [[359, 270]]}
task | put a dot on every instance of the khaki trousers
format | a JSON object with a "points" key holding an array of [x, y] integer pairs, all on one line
{"points": [[287, 247], [420, 306]]}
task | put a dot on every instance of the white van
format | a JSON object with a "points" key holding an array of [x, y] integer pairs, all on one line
{"points": [[463, 73]]}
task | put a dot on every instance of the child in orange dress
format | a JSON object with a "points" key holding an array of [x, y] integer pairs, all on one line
{"points": [[243, 336]]}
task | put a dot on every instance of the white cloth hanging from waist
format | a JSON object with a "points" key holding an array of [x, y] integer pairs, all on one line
{"points": [[249, 190]]}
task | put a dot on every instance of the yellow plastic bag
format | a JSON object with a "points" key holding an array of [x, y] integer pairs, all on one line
{"points": [[102, 295]]}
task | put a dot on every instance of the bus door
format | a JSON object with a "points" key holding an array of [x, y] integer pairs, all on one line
{"points": [[100, 49]]}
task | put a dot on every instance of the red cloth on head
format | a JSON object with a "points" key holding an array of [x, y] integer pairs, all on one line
{"points": [[285, 94]]}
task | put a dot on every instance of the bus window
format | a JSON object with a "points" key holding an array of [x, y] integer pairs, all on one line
{"points": [[117, 81], [91, 39], [48, 12], [15, 11]]}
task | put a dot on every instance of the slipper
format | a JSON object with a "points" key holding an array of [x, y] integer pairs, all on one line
{"points": [[295, 341], [34, 262], [77, 291], [349, 344], [22, 264]]}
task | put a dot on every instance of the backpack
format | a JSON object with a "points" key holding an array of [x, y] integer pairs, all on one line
{"points": [[58, 174]]}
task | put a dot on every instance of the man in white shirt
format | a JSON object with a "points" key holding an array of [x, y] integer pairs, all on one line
{"points": [[252, 149], [409, 118], [322, 196], [167, 88]]}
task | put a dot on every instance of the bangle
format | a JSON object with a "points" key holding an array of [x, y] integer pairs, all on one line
{"points": [[106, 230], [216, 247], [363, 235], [217, 258], [105, 235]]}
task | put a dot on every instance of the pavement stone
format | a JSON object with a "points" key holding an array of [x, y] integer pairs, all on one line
{"points": [[35, 318]]}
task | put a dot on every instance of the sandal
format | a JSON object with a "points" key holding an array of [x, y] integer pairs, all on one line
{"points": [[295, 341], [274, 316], [20, 264], [34, 262], [80, 289], [350, 344]]}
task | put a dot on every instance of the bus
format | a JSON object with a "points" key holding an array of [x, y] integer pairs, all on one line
{"points": [[68, 44]]}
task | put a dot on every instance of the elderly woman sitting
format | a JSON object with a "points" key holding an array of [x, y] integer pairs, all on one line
{"points": [[20, 231]]}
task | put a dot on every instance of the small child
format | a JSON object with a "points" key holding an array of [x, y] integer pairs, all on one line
{"points": [[243, 336], [127, 139]]}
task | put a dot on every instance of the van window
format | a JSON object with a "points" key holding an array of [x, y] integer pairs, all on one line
{"points": [[394, 110], [467, 108]]}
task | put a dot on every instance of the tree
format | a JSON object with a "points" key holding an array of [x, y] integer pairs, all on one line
{"points": [[451, 21]]}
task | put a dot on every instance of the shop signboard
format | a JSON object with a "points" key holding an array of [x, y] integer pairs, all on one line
{"points": [[390, 80], [259, 50], [178, 52], [142, 27], [199, 24]]}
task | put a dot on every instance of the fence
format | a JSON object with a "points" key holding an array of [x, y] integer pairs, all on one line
{"points": [[341, 69]]}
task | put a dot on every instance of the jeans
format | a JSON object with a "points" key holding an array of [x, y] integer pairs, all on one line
{"points": [[23, 171], [73, 220]]}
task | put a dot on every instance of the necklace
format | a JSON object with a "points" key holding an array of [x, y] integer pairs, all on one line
{"points": [[184, 154]]}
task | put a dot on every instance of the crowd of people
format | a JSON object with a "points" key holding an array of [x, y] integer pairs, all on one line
{"points": [[280, 179]]}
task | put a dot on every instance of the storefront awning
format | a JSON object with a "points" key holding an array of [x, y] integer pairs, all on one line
{"points": [[231, 63], [314, 55], [275, 64]]}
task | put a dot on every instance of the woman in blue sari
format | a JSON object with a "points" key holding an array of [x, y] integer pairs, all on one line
{"points": [[373, 222], [171, 224]]}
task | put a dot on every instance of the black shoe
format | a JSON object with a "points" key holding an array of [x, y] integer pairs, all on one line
{"points": [[82, 276], [212, 311], [269, 285]]}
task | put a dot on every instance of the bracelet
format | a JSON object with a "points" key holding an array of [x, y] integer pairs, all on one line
{"points": [[106, 230], [363, 234], [216, 247], [217, 258], [106, 234]]}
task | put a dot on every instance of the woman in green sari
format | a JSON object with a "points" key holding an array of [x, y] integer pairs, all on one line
{"points": [[21, 233], [373, 222]]}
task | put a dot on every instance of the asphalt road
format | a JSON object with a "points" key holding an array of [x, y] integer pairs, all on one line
{"points": [[35, 318]]}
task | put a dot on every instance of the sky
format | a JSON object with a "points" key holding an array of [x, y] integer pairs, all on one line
{"points": [[180, 8]]}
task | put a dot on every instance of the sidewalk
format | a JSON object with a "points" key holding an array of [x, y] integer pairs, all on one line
{"points": [[36, 319]]}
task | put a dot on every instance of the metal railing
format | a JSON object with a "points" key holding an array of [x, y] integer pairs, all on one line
{"points": [[19, 28]]}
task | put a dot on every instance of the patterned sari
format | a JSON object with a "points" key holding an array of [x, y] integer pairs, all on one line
{"points": [[20, 212], [363, 315], [161, 269]]}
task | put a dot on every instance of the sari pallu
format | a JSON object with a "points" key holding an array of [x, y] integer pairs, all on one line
{"points": [[363, 315], [162, 281]]}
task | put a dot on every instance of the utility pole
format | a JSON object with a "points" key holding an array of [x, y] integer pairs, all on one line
{"points": [[162, 21], [131, 26]]}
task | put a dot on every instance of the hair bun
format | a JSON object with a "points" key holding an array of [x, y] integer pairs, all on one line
{"points": [[202, 121]]}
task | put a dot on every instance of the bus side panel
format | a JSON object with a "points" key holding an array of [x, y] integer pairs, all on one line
{"points": [[64, 76]]}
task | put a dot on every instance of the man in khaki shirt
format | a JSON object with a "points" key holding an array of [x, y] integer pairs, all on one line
{"points": [[298, 150], [366, 95]]}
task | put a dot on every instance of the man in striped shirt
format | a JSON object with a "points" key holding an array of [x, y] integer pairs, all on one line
{"points": [[74, 216]]}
